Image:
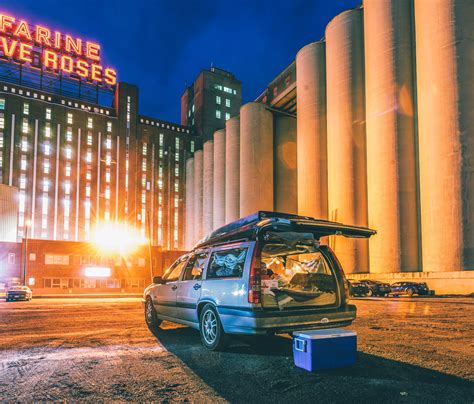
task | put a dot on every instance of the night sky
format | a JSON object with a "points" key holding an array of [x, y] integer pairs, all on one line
{"points": [[161, 45]]}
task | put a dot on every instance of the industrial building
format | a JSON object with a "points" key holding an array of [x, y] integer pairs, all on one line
{"points": [[371, 125]]}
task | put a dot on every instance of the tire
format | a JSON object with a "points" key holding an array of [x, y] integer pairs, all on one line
{"points": [[410, 292], [370, 293], [210, 329], [152, 321]]}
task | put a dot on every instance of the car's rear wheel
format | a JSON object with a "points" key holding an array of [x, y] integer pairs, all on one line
{"points": [[210, 329], [370, 293], [152, 321], [410, 292]]}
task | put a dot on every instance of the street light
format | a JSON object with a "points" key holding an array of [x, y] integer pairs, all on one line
{"points": [[27, 225]]}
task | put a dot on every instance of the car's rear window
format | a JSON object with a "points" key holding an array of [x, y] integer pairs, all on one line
{"points": [[227, 263]]}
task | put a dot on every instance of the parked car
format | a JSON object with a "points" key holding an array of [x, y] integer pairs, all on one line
{"points": [[357, 288], [409, 288], [376, 288], [19, 293], [263, 274]]}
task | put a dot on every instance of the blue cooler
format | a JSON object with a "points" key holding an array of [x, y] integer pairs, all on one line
{"points": [[324, 349]]}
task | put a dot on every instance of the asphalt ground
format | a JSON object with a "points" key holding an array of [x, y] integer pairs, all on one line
{"points": [[409, 350]]}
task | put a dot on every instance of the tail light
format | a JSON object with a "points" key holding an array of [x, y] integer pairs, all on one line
{"points": [[344, 279], [255, 279]]}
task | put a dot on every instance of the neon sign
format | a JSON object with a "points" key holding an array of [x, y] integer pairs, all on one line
{"points": [[41, 47]]}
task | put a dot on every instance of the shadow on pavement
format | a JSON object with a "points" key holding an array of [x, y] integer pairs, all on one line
{"points": [[247, 373]]}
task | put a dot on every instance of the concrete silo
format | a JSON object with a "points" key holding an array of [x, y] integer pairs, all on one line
{"points": [[347, 184], [256, 158], [208, 188], [285, 176], [219, 179], [391, 138], [232, 169], [311, 130], [189, 212], [445, 90], [198, 170]]}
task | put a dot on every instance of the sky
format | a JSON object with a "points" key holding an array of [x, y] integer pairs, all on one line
{"points": [[161, 45]]}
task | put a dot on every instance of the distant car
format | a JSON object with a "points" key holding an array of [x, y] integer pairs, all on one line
{"points": [[19, 293], [409, 288], [376, 288], [357, 288]]}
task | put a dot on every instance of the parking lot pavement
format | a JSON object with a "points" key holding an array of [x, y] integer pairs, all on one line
{"points": [[410, 350]]}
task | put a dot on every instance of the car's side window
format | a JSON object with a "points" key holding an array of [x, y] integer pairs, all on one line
{"points": [[173, 273], [227, 263], [195, 267]]}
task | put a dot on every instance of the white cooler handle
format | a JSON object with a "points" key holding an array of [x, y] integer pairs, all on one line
{"points": [[300, 344]]}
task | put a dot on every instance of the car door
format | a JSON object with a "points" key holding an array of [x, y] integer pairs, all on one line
{"points": [[164, 295], [189, 287]]}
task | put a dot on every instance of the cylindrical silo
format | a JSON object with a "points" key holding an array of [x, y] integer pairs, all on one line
{"points": [[232, 169], [285, 177], [445, 89], [198, 217], [256, 158], [189, 219], [208, 187], [219, 179], [390, 122], [347, 183], [311, 130]]}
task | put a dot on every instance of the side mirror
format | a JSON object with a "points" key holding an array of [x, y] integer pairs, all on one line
{"points": [[158, 280]]}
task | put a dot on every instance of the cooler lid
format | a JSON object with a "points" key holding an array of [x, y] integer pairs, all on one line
{"points": [[325, 333]]}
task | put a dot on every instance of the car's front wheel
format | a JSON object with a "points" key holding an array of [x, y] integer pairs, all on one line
{"points": [[370, 293], [410, 292], [210, 328], [152, 321]]}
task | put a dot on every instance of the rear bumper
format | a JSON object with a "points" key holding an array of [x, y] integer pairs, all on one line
{"points": [[258, 321], [16, 297]]}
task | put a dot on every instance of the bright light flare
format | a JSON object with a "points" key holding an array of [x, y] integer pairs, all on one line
{"points": [[117, 238], [97, 272]]}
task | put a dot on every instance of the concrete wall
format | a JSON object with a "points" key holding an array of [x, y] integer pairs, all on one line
{"points": [[208, 188], [219, 179], [198, 212], [256, 159], [189, 219], [232, 170], [8, 213], [346, 145]]}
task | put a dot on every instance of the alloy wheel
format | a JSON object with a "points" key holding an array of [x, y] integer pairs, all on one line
{"points": [[209, 326]]}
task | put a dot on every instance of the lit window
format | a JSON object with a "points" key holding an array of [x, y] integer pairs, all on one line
{"points": [[48, 113], [1, 140], [69, 134], [68, 152], [108, 159], [218, 87], [2, 103], [218, 114], [227, 116], [107, 193], [227, 102], [46, 166], [47, 130], [144, 165], [23, 163], [24, 144], [69, 118], [89, 138], [176, 186], [45, 185], [68, 169], [108, 142], [160, 153], [161, 139], [2, 121], [143, 197], [47, 149], [67, 187], [25, 126], [176, 171], [160, 199], [192, 109], [88, 190], [89, 123], [22, 181], [109, 126], [218, 100], [107, 176], [144, 150], [45, 205], [160, 171], [176, 202], [160, 184], [235, 92], [89, 156], [176, 156], [26, 108], [192, 146], [177, 143], [88, 175]]}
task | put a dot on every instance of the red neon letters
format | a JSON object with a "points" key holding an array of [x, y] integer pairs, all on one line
{"points": [[19, 40]]}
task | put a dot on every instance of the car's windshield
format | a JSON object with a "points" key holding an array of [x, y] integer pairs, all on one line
{"points": [[16, 288]]}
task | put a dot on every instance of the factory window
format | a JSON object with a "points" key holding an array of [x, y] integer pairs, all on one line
{"points": [[160, 171], [1, 139], [235, 92], [88, 175], [108, 158], [68, 152], [11, 257], [218, 114], [47, 129], [227, 90], [89, 156], [89, 138], [176, 171], [160, 184], [56, 259], [46, 166], [176, 186], [68, 169], [88, 190], [67, 187], [192, 146], [2, 103], [160, 153], [218, 100], [89, 123], [24, 144], [47, 148], [218, 87], [144, 165], [69, 134], [227, 102], [23, 163], [21, 200], [45, 206], [107, 192], [143, 180], [176, 202], [143, 197], [176, 156], [48, 114], [109, 126], [22, 181], [192, 108], [25, 126], [2, 121], [160, 216], [161, 139], [26, 108], [227, 116], [107, 175], [160, 199], [45, 185], [69, 118], [189, 113], [108, 142], [144, 149], [177, 143]]}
